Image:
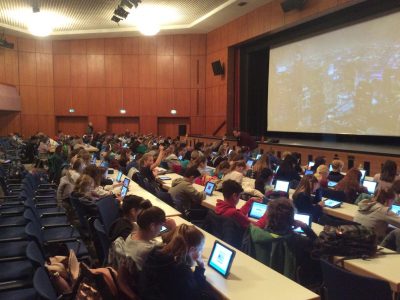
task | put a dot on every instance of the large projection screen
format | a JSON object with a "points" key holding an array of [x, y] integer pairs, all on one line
{"points": [[346, 81]]}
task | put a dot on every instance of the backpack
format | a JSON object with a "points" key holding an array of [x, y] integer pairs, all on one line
{"points": [[350, 241]]}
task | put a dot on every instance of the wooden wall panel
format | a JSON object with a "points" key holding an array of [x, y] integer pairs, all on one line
{"points": [[44, 46], [165, 45], [181, 71], [197, 125], [27, 68], [9, 122], [30, 125], [198, 72], [26, 45], [130, 70], [182, 102], [72, 125], [95, 46], [62, 101], [45, 100], [198, 44], [46, 124], [11, 65], [132, 101], [61, 47], [165, 71], [121, 124], [79, 72], [130, 45], [170, 126], [197, 102], [148, 102], [61, 70], [113, 101], [113, 70], [181, 44], [78, 46], [165, 102], [113, 46], [148, 71], [44, 69], [95, 70], [2, 66], [99, 123], [96, 102], [147, 45], [29, 104], [148, 124], [80, 101]]}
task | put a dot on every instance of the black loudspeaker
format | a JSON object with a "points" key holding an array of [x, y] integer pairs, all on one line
{"points": [[217, 67], [182, 130], [288, 5]]}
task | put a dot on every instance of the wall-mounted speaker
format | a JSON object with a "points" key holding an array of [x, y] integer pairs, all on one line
{"points": [[288, 5], [217, 67]]}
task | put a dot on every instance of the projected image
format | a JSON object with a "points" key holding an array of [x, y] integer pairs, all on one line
{"points": [[344, 81]]}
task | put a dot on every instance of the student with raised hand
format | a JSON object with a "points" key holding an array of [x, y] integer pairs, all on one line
{"points": [[336, 175], [351, 186], [375, 213], [303, 199], [148, 165], [167, 272], [387, 175], [126, 224], [183, 193], [231, 191]]}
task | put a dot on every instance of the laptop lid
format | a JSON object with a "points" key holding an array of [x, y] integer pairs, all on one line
{"points": [[302, 218], [250, 163], [396, 209], [276, 169], [332, 183], [209, 188], [332, 203], [258, 156], [311, 164], [370, 185], [282, 186], [126, 182], [257, 210], [330, 168], [221, 258], [124, 191], [363, 173], [308, 172], [119, 175]]}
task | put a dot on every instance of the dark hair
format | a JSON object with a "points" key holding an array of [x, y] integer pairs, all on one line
{"points": [[280, 215], [305, 186], [389, 171], [396, 187], [151, 215], [231, 187], [383, 196], [192, 171], [319, 160], [134, 202]]}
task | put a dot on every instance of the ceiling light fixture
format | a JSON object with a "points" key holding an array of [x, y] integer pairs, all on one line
{"points": [[121, 12], [38, 24], [149, 28], [123, 9]]}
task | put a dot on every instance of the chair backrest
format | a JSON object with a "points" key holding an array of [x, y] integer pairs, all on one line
{"points": [[79, 212], [225, 228], [109, 211], [344, 285], [102, 238], [32, 230], [35, 255], [29, 215], [43, 286]]}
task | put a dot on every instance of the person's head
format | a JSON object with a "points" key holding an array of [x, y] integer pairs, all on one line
{"points": [[192, 173], [95, 172], [286, 154], [85, 155], [84, 185], [266, 175], [308, 185], [322, 173], [90, 124], [147, 160], [396, 187], [231, 191], [280, 215], [58, 149], [337, 165], [200, 163], [385, 197], [78, 165], [353, 176], [389, 171], [236, 132], [239, 166], [261, 163], [319, 160], [185, 243], [133, 205], [151, 220], [222, 168]]}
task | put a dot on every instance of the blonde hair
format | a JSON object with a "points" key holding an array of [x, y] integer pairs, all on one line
{"points": [[337, 165], [83, 184], [321, 171]]}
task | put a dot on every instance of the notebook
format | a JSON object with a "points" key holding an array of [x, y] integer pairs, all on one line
{"points": [[303, 218], [282, 186], [370, 185], [257, 210], [221, 258], [209, 188], [332, 203]]}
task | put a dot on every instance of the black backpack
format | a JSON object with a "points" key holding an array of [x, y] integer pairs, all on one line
{"points": [[349, 241]]}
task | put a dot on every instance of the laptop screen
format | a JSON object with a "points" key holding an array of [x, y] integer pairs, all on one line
{"points": [[302, 218], [370, 185], [311, 164], [250, 163], [395, 209], [258, 156], [257, 210], [308, 172], [119, 175], [332, 203], [209, 188], [126, 182], [124, 190], [104, 164], [282, 186], [221, 258], [363, 172], [330, 168], [332, 183]]}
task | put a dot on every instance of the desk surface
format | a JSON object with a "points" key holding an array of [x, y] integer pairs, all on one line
{"points": [[249, 278]]}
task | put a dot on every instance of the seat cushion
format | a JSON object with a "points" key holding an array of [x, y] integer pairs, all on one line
{"points": [[12, 220], [15, 270], [20, 294], [13, 249], [59, 233], [12, 232], [54, 220], [79, 248]]}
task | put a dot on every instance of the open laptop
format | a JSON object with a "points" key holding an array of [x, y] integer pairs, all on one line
{"points": [[332, 184], [370, 185], [221, 258], [209, 188], [257, 210], [303, 218], [332, 203], [396, 209], [119, 175], [308, 172], [250, 163], [282, 186]]}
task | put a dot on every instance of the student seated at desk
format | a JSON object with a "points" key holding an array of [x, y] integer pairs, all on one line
{"points": [[303, 199], [183, 193], [67, 182], [83, 191], [167, 272], [351, 185], [227, 207], [222, 169], [336, 175], [260, 165], [387, 175], [321, 174], [287, 171], [263, 182], [319, 160], [147, 166], [126, 224], [375, 213]]}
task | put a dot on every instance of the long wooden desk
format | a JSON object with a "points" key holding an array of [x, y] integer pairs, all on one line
{"points": [[250, 279], [135, 189]]}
